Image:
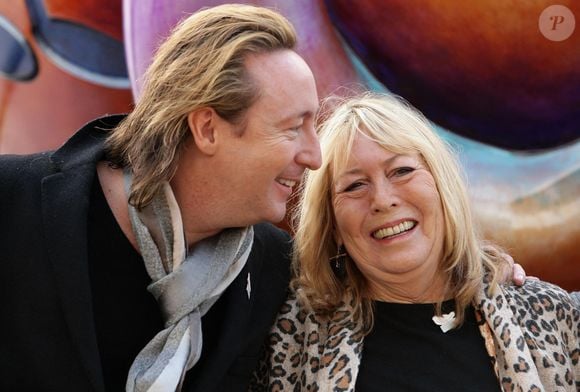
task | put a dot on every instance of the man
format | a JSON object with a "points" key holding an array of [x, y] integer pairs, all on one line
{"points": [[167, 199]]}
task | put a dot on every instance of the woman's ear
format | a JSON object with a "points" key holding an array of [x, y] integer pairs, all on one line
{"points": [[202, 125], [338, 239]]}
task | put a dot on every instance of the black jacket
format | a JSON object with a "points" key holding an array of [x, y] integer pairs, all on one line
{"points": [[47, 332]]}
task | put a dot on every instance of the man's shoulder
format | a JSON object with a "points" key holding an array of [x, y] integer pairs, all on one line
{"points": [[86, 146], [23, 169], [269, 232], [21, 163], [272, 240], [83, 145], [272, 250]]}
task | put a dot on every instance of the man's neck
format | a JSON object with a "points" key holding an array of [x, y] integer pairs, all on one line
{"points": [[202, 200], [113, 185]]}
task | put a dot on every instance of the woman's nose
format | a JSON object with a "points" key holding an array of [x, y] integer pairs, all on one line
{"points": [[384, 196]]}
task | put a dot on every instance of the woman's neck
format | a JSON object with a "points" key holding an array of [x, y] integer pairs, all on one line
{"points": [[413, 287]]}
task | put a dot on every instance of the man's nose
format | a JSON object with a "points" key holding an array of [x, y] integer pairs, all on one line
{"points": [[310, 155]]}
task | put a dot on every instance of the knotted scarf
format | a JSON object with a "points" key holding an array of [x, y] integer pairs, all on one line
{"points": [[185, 286]]}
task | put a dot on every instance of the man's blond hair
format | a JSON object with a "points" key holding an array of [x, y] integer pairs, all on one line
{"points": [[201, 64]]}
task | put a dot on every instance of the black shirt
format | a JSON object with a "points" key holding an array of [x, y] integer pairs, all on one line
{"points": [[407, 351], [126, 315]]}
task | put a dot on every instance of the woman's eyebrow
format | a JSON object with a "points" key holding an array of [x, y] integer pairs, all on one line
{"points": [[357, 170]]}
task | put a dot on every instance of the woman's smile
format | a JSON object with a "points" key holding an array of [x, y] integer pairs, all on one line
{"points": [[395, 230]]}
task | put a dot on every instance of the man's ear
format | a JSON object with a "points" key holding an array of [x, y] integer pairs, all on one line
{"points": [[202, 125]]}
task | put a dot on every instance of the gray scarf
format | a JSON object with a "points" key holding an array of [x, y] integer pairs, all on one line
{"points": [[184, 285]]}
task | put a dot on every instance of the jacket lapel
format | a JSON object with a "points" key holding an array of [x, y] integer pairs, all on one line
{"points": [[65, 202], [229, 319], [237, 309]]}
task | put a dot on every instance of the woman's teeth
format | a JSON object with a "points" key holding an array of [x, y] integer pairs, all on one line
{"points": [[394, 230]]}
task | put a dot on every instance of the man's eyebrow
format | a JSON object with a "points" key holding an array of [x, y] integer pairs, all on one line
{"points": [[306, 113]]}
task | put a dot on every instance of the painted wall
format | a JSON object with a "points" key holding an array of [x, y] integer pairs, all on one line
{"points": [[506, 96], [61, 64], [500, 79]]}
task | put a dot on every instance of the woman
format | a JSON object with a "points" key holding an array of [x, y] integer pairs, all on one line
{"points": [[394, 289]]}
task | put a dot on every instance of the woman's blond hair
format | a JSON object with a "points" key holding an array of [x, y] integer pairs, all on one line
{"points": [[397, 127], [201, 64]]}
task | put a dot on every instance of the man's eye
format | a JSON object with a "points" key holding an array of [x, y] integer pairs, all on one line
{"points": [[297, 128]]}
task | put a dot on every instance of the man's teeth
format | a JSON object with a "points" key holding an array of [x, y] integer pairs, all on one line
{"points": [[288, 183], [394, 230]]}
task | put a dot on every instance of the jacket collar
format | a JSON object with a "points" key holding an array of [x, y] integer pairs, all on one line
{"points": [[65, 201], [86, 145]]}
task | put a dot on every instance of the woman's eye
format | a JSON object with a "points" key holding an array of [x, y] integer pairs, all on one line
{"points": [[352, 187], [401, 171]]}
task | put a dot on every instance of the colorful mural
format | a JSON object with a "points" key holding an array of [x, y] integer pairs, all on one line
{"points": [[503, 94], [61, 64], [500, 79]]}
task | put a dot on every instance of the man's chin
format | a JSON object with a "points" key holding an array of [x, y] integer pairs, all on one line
{"points": [[276, 215]]}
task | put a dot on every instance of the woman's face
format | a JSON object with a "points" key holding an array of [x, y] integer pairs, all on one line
{"points": [[388, 213]]}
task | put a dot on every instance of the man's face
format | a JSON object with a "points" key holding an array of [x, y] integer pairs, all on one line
{"points": [[261, 167]]}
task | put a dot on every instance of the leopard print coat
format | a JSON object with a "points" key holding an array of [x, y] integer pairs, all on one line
{"points": [[531, 334]]}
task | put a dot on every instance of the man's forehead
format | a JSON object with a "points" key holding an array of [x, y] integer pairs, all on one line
{"points": [[284, 83], [278, 70]]}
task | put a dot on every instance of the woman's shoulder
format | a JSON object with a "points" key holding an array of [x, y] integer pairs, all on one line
{"points": [[576, 298], [292, 306], [295, 326], [539, 298], [539, 288], [297, 310], [297, 314]]}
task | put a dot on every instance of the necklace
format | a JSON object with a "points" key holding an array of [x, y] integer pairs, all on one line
{"points": [[446, 321]]}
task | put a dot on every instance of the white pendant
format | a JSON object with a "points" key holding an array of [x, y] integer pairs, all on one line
{"points": [[446, 322]]}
